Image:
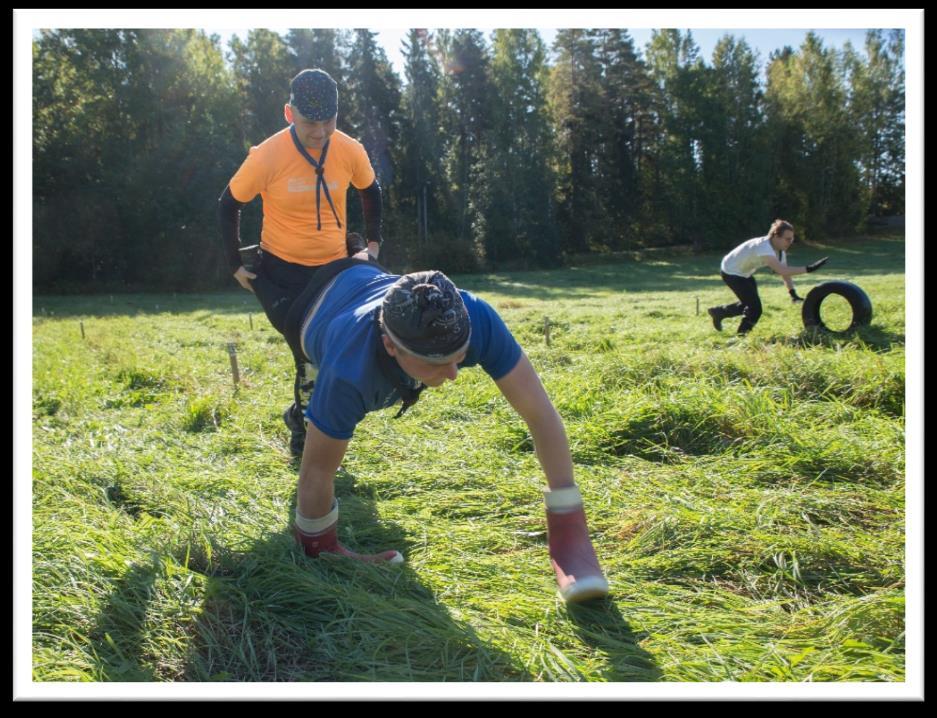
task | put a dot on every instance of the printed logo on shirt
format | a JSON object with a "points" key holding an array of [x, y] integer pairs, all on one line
{"points": [[303, 184]]}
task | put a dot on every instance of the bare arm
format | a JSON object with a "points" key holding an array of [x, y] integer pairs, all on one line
{"points": [[523, 390], [322, 455], [787, 281], [786, 272]]}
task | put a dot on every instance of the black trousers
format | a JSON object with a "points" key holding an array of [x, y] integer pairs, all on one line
{"points": [[749, 304], [277, 285], [286, 291]]}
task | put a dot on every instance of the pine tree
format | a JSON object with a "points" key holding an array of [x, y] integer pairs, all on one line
{"points": [[737, 184], [514, 204], [465, 117], [575, 100], [263, 70], [876, 105], [815, 141], [675, 66], [317, 49], [422, 189], [624, 90], [374, 103]]}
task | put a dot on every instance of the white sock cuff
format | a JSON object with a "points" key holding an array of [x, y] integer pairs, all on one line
{"points": [[315, 526], [565, 499]]}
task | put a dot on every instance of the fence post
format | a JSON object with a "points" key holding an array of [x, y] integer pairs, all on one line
{"points": [[233, 354]]}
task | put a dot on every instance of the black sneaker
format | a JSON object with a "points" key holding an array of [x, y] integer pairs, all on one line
{"points": [[716, 316], [293, 418]]}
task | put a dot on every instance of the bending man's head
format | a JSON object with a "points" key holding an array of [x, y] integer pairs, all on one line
{"points": [[424, 318]]}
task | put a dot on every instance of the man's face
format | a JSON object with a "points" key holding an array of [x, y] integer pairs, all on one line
{"points": [[429, 374], [786, 239], [313, 135]]}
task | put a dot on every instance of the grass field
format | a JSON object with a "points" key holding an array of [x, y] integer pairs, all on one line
{"points": [[745, 496]]}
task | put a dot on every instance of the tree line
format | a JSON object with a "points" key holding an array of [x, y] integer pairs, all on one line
{"points": [[489, 153]]}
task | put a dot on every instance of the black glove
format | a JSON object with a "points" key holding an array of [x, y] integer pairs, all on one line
{"points": [[816, 265], [354, 243], [794, 296]]}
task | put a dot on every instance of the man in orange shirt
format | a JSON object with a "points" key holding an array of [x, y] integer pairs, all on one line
{"points": [[302, 174]]}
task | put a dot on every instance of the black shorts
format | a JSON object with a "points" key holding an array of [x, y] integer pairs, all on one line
{"points": [[287, 291], [277, 285]]}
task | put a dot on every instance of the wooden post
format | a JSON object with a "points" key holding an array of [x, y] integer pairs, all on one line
{"points": [[546, 329], [250, 318], [82, 325], [697, 306], [233, 354]]}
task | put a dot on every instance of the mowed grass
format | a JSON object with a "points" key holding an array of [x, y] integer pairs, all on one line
{"points": [[745, 496]]}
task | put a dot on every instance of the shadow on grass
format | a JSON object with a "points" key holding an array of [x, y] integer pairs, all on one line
{"points": [[599, 624], [331, 619], [269, 613], [265, 613], [117, 639], [874, 337]]}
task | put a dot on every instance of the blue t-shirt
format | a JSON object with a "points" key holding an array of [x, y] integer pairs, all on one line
{"points": [[343, 340]]}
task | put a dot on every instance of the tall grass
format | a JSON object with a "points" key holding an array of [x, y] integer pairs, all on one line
{"points": [[745, 496]]}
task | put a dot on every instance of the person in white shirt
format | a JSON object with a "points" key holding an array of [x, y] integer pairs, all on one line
{"points": [[739, 266]]}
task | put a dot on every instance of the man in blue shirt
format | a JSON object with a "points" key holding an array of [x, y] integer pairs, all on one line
{"points": [[376, 339]]}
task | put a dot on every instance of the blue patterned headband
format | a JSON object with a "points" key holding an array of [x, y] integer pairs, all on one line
{"points": [[424, 313]]}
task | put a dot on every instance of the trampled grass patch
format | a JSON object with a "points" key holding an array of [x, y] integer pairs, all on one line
{"points": [[745, 496]]}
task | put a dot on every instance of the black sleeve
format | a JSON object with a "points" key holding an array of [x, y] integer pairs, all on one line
{"points": [[371, 208], [229, 214]]}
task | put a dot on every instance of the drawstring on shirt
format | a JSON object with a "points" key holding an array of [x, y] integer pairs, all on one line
{"points": [[320, 176]]}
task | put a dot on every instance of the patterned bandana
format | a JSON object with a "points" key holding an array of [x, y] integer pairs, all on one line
{"points": [[315, 94], [424, 313]]}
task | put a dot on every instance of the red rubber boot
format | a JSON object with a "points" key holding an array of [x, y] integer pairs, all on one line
{"points": [[326, 541], [578, 573]]}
